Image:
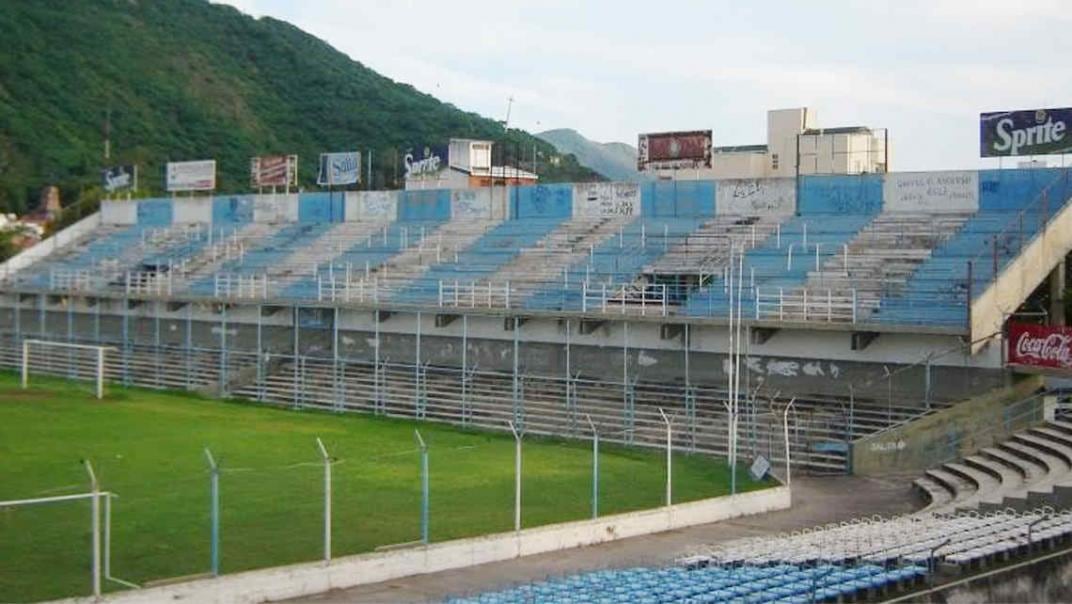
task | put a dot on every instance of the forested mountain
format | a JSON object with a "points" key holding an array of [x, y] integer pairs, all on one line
{"points": [[185, 79], [616, 161]]}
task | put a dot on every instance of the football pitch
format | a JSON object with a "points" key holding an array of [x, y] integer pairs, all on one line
{"points": [[147, 447]]}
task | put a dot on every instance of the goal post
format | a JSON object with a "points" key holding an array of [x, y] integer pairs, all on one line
{"points": [[95, 365]]}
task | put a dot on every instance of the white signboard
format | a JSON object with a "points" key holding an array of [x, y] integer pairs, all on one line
{"points": [[931, 192], [275, 208], [756, 197], [470, 203], [606, 199], [191, 175], [339, 169]]}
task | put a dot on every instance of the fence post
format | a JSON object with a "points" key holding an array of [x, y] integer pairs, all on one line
{"points": [[94, 486], [327, 500], [517, 477], [595, 468], [785, 425], [214, 513], [669, 458], [424, 487]]}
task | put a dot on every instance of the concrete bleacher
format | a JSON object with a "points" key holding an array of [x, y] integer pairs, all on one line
{"points": [[871, 248], [1033, 467]]}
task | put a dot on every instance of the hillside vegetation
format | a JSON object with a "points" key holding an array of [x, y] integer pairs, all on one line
{"points": [[185, 79]]}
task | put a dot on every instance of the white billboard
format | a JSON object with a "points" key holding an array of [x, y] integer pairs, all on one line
{"points": [[339, 168], [191, 175]]}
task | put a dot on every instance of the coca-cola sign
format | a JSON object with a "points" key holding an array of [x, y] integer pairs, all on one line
{"points": [[1040, 346]]}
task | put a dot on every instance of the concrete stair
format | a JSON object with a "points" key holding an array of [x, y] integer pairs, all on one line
{"points": [[1031, 468]]}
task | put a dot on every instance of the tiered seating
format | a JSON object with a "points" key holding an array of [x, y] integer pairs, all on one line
{"points": [[1013, 209], [538, 267], [781, 264], [618, 262], [778, 583], [262, 256], [707, 250], [484, 257], [1032, 467], [879, 260], [917, 539]]}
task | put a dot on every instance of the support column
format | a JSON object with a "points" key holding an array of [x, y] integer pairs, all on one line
{"points": [[465, 369], [260, 353], [519, 416], [156, 339], [336, 385], [189, 337], [418, 390], [295, 312], [1057, 295], [126, 341], [223, 350]]}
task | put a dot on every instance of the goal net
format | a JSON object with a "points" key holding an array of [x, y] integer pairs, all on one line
{"points": [[74, 361]]}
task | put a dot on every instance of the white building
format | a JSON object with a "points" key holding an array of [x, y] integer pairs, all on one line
{"points": [[792, 135], [467, 165]]}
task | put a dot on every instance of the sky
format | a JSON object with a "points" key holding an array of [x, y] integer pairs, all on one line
{"points": [[922, 69]]}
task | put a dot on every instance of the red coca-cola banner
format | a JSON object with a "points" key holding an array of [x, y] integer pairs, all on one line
{"points": [[1040, 346]]}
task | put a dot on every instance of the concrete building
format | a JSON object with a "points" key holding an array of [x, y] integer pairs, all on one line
{"points": [[796, 145], [468, 165]]}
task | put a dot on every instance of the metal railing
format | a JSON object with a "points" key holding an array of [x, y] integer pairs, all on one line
{"points": [[803, 304], [230, 285], [149, 282], [475, 295], [72, 279], [644, 299]]}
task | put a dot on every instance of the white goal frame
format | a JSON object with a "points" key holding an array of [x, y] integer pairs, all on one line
{"points": [[101, 350]]}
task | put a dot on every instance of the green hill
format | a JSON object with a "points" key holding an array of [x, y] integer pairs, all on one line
{"points": [[185, 79]]}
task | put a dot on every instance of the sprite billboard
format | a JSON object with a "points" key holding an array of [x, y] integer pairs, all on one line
{"points": [[1030, 132]]}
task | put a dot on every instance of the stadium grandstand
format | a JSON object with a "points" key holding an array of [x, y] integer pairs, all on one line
{"points": [[871, 299]]}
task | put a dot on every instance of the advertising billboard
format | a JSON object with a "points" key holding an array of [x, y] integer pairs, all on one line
{"points": [[119, 178], [1039, 346], [339, 169], [426, 162], [1030, 132], [190, 175], [674, 150], [274, 171]]}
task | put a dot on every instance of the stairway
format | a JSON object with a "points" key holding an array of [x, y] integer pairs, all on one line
{"points": [[1031, 468]]}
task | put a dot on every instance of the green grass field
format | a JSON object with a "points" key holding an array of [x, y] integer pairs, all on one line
{"points": [[147, 447]]}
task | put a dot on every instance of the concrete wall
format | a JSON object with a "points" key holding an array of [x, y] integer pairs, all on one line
{"points": [[948, 434], [1046, 580], [119, 212], [313, 578], [757, 197], [193, 210]]}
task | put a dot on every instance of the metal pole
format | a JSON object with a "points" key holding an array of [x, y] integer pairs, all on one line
{"points": [[25, 364], [214, 522], [785, 423], [517, 477], [95, 527], [424, 486], [327, 500], [595, 468], [669, 458]]}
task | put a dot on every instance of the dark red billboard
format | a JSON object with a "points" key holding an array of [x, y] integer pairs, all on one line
{"points": [[1040, 346], [674, 150]]}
